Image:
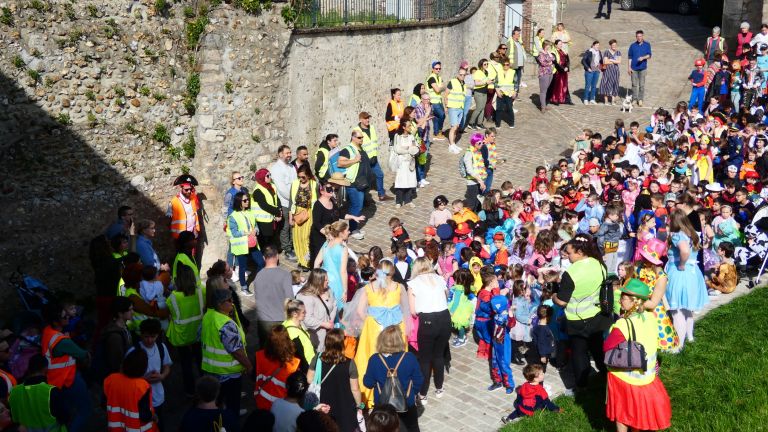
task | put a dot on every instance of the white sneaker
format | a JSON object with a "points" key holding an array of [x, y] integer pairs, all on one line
{"points": [[586, 102], [357, 235], [398, 205], [522, 84], [593, 102], [411, 205], [423, 183], [426, 182], [439, 393], [515, 110], [453, 148]]}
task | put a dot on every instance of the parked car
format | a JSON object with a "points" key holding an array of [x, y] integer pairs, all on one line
{"points": [[683, 7]]}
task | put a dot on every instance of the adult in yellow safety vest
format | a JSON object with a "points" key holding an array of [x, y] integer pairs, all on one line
{"points": [[435, 88], [62, 354], [355, 160], [35, 404], [186, 305], [295, 312], [516, 54], [323, 157], [636, 398], [223, 344], [456, 93], [505, 95], [494, 67], [415, 98], [580, 296], [370, 146], [266, 208], [394, 113], [241, 230], [482, 79]]}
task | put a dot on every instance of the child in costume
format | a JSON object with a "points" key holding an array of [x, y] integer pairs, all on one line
{"points": [[484, 313], [726, 277], [524, 308], [542, 337], [446, 262], [501, 373], [460, 305], [531, 396], [501, 256]]}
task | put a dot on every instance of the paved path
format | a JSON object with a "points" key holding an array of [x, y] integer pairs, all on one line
{"points": [[467, 406]]}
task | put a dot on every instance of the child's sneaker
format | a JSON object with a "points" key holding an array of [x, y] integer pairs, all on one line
{"points": [[459, 342], [506, 419], [510, 390], [494, 386], [713, 293], [422, 399], [439, 393]]}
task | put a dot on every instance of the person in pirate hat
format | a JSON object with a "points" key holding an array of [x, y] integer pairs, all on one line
{"points": [[184, 206]]}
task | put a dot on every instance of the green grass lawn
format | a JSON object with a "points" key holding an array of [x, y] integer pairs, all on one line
{"points": [[718, 383]]}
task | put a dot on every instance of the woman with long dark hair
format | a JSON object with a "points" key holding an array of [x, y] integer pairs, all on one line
{"points": [[241, 230], [579, 294], [558, 90]]}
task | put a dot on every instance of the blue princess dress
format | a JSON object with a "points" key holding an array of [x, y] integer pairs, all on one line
{"points": [[686, 288]]}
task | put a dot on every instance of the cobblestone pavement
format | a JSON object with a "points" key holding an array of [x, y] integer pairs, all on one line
{"points": [[467, 405]]}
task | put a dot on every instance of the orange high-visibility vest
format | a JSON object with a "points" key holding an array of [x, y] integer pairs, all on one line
{"points": [[268, 390], [61, 370], [10, 381], [397, 111], [123, 395], [179, 217]]}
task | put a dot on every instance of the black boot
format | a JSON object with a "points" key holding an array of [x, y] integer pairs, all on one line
{"points": [[598, 15], [607, 16]]}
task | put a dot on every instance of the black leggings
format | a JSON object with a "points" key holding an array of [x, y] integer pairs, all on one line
{"points": [[409, 420], [581, 348], [433, 336]]}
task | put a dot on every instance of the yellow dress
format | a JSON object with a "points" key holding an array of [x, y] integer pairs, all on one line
{"points": [[366, 346]]}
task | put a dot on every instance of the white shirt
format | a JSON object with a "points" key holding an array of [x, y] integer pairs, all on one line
{"points": [[429, 291], [283, 174], [758, 39], [153, 365]]}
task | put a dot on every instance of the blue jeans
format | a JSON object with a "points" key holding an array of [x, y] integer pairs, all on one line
{"points": [[376, 168], [698, 94], [590, 85], [437, 123], [356, 199], [242, 265], [467, 106], [78, 402], [488, 178]]}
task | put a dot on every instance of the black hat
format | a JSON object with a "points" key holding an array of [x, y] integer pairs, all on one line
{"points": [[185, 178]]}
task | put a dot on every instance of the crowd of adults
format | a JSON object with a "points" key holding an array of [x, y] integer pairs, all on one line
{"points": [[630, 235]]}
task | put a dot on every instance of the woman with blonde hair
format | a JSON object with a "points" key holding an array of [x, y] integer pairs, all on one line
{"points": [[339, 387], [428, 293], [295, 315], [333, 259], [391, 354], [320, 306], [382, 303]]}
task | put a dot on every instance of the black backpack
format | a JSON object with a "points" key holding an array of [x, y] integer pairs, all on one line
{"points": [[392, 392]]}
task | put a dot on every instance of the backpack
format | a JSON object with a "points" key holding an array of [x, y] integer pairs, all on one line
{"points": [[462, 167], [160, 349], [392, 392]]}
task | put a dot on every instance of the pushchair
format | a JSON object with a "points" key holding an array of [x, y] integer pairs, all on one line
{"points": [[33, 293]]}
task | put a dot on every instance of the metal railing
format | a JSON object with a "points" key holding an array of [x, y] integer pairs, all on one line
{"points": [[341, 13]]}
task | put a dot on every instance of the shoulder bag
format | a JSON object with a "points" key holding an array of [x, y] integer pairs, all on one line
{"points": [[629, 354]]}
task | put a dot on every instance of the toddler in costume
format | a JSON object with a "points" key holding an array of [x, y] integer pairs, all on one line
{"points": [[531, 396], [460, 305]]}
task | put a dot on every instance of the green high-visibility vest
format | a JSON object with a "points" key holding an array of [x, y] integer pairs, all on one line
{"points": [[506, 81], [271, 199], [31, 407], [244, 222], [456, 94], [186, 317], [587, 275], [370, 142], [326, 161], [434, 97], [216, 359], [352, 170]]}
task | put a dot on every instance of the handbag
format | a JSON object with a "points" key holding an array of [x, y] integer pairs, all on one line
{"points": [[629, 354], [317, 382], [301, 216], [252, 241]]}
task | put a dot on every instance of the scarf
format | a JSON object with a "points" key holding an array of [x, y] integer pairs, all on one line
{"points": [[477, 162], [492, 155]]}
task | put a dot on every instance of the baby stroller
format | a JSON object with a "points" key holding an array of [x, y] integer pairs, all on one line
{"points": [[33, 293]]}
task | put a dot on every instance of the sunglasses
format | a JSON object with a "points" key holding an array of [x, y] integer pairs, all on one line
{"points": [[357, 137], [238, 178], [186, 190], [302, 177], [246, 200], [329, 189]]}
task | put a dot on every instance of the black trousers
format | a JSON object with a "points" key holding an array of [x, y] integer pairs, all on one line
{"points": [[409, 420], [600, 6], [190, 358], [504, 109], [581, 348], [404, 195], [470, 197], [433, 336], [229, 395]]}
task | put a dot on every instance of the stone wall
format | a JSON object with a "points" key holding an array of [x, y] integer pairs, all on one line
{"points": [[737, 11], [334, 76]]}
